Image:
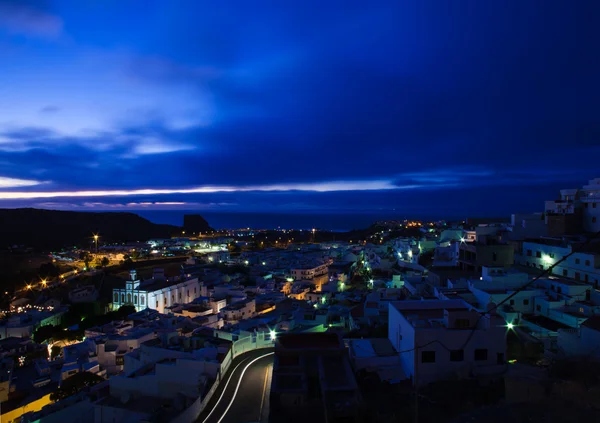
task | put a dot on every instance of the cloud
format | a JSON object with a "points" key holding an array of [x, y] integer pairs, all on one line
{"points": [[23, 19], [49, 109], [331, 186], [17, 183]]}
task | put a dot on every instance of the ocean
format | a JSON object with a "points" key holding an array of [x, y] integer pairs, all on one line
{"points": [[333, 221]]}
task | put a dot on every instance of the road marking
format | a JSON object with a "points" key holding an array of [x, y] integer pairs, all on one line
{"points": [[262, 400], [224, 389], [239, 383]]}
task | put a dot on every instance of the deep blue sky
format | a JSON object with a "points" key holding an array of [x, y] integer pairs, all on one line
{"points": [[471, 107]]}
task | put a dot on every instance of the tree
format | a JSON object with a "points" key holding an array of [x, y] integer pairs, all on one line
{"points": [[75, 384], [125, 310], [105, 261], [44, 333]]}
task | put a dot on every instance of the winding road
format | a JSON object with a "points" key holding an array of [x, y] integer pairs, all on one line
{"points": [[243, 395]]}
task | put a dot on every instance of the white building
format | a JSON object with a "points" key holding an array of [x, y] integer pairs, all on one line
{"points": [[583, 341], [240, 310], [309, 271], [157, 293], [582, 266], [84, 294], [591, 205], [442, 339]]}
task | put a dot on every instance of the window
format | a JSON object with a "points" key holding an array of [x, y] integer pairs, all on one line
{"points": [[512, 302], [593, 205], [538, 308], [565, 272], [481, 354], [123, 298], [188, 292], [581, 310], [156, 303], [128, 298], [525, 302], [119, 360], [500, 358], [457, 355], [494, 257], [142, 300], [586, 277], [528, 253], [427, 356], [587, 262], [461, 323], [577, 276], [135, 299], [593, 220], [538, 254], [577, 261]]}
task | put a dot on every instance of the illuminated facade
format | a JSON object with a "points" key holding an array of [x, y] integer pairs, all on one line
{"points": [[157, 293]]}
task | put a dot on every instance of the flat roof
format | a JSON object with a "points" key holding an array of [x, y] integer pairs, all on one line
{"points": [[309, 341]]}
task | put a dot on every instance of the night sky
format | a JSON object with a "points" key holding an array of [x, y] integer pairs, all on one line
{"points": [[470, 107]]}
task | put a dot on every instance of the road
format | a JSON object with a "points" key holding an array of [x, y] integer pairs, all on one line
{"points": [[243, 394]]}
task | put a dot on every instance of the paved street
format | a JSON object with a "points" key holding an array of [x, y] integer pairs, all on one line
{"points": [[245, 398]]}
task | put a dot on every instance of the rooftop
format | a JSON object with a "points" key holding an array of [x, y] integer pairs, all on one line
{"points": [[307, 341]]}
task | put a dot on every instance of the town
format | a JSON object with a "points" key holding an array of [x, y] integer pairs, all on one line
{"points": [[390, 326]]}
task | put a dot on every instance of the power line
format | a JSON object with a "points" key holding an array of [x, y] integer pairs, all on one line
{"points": [[526, 285]]}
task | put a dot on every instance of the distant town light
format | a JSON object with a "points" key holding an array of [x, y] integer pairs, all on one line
{"points": [[246, 262]]}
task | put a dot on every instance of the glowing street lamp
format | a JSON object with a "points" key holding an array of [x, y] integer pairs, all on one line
{"points": [[510, 326], [96, 241], [44, 282], [546, 259], [273, 334], [462, 240]]}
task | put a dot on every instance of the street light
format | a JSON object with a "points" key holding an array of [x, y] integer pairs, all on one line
{"points": [[510, 325], [96, 241], [273, 334]]}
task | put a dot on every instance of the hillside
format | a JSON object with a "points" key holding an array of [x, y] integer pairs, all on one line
{"points": [[52, 228]]}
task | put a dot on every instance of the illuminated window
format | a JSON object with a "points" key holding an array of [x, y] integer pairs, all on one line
{"points": [[142, 300], [129, 298]]}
